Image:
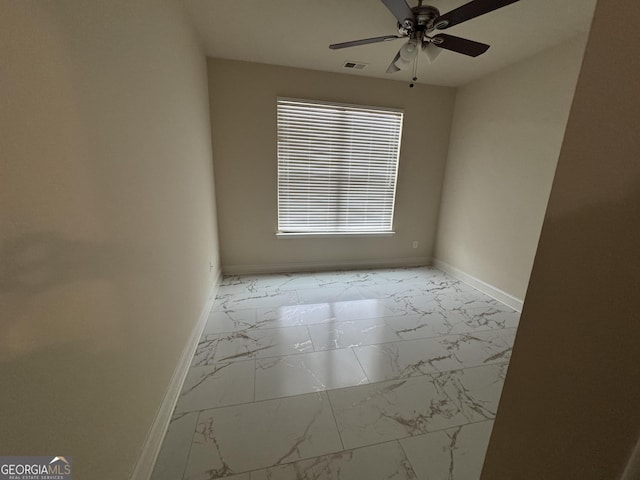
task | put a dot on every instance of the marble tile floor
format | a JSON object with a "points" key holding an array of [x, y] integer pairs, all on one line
{"points": [[371, 374]]}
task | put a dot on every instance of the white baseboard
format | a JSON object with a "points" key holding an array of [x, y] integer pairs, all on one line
{"points": [[320, 266], [149, 453], [484, 287]]}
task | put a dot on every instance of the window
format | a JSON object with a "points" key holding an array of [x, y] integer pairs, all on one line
{"points": [[337, 167]]}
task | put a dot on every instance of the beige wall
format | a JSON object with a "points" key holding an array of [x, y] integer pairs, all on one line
{"points": [[505, 140], [243, 114], [107, 222], [570, 407]]}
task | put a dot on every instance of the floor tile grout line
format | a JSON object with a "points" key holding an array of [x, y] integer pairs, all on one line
{"points": [[416, 289], [374, 344], [438, 285], [447, 428], [255, 359], [335, 420], [369, 274], [193, 436], [424, 293], [419, 435], [421, 271], [358, 346], [363, 370], [311, 340], [328, 321], [390, 296], [332, 321], [432, 374], [361, 447], [441, 310], [297, 296], [404, 452], [338, 284], [255, 375]]}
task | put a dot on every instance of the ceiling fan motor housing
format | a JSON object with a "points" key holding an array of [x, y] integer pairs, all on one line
{"points": [[424, 15]]}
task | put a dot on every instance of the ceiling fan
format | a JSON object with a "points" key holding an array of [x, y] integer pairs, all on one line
{"points": [[418, 23]]}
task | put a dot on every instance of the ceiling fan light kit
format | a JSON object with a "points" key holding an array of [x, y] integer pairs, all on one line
{"points": [[408, 53], [432, 52], [418, 24]]}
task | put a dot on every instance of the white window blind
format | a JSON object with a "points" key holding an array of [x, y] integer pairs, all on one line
{"points": [[337, 167]]}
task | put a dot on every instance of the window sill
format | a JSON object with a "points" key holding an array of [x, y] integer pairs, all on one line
{"points": [[334, 234]]}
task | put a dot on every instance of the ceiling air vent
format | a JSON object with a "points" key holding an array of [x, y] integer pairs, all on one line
{"points": [[355, 65]]}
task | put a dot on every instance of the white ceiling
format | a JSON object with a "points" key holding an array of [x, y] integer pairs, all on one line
{"points": [[297, 33]]}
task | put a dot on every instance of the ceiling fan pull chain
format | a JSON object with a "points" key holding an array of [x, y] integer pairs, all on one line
{"points": [[415, 69]]}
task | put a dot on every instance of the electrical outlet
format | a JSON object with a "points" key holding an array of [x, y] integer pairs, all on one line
{"points": [[415, 244]]}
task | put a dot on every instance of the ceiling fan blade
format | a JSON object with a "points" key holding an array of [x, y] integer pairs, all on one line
{"points": [[468, 11], [400, 10], [364, 41], [393, 68], [459, 45]]}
